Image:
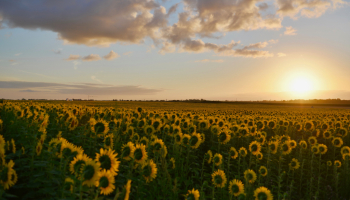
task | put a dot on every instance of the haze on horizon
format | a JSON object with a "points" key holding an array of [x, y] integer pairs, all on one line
{"points": [[183, 49]]}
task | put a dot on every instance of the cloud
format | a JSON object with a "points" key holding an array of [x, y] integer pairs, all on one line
{"points": [[29, 90], [127, 53], [73, 57], [78, 88], [281, 54], [17, 54], [290, 31], [92, 57], [96, 79], [58, 51], [101, 23], [76, 63], [208, 60], [111, 55], [12, 60]]}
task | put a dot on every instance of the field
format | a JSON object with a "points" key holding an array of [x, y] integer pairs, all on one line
{"points": [[172, 150]]}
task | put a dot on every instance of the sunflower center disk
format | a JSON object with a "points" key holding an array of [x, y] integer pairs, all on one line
{"points": [[104, 182], [105, 162]]}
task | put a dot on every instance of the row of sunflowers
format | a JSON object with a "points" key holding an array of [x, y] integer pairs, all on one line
{"points": [[59, 151]]}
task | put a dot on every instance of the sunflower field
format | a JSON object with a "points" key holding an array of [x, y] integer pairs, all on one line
{"points": [[60, 151]]}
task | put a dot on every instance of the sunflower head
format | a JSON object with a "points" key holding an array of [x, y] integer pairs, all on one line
{"points": [[263, 171], [286, 148], [243, 152], [185, 139], [254, 147], [208, 156], [128, 151], [337, 142], [108, 161], [314, 149], [233, 153], [273, 146], [322, 148], [140, 153], [263, 193], [224, 137], [219, 178], [303, 144], [192, 195], [89, 172], [236, 187], [337, 163], [195, 140], [105, 182], [149, 170], [294, 164], [312, 140], [250, 176], [329, 163], [217, 159]]}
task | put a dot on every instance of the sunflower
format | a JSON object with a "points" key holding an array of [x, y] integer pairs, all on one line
{"points": [[224, 137], [127, 190], [219, 178], [178, 138], [140, 153], [329, 163], [233, 153], [342, 132], [254, 147], [105, 182], [196, 140], [292, 143], [271, 124], [108, 141], [303, 144], [346, 156], [217, 159], [308, 125], [108, 160], [322, 148], [312, 140], [294, 164], [149, 170], [172, 165], [344, 150], [99, 127], [193, 194], [214, 129], [77, 163], [185, 139], [314, 149], [208, 156], [273, 146], [13, 146], [236, 187], [128, 151], [68, 184], [286, 148], [243, 152], [144, 140], [250, 176], [38, 148], [243, 132], [327, 135], [337, 142], [6, 175], [337, 163], [262, 193], [89, 172], [259, 156], [263, 171]]}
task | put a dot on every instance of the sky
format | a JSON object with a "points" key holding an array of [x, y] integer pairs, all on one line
{"points": [[189, 49]]}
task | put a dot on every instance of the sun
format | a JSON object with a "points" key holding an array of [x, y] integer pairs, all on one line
{"points": [[301, 85]]}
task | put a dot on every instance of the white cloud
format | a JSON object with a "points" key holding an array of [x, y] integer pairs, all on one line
{"points": [[96, 79], [281, 54], [73, 57], [91, 57], [290, 31], [208, 60], [111, 55]]}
